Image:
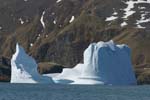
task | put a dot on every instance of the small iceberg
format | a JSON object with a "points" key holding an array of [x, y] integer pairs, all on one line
{"points": [[104, 63], [24, 69]]}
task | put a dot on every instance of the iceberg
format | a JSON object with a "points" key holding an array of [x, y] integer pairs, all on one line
{"points": [[104, 63], [24, 69]]}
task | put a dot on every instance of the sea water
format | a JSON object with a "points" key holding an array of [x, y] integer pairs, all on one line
{"points": [[72, 92]]}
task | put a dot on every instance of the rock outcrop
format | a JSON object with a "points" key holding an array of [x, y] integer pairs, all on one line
{"points": [[48, 67], [5, 69]]}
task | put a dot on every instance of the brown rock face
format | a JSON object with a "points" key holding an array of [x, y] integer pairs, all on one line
{"points": [[5, 69], [47, 67]]}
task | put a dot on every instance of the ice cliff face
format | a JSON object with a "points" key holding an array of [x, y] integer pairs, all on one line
{"points": [[104, 63], [24, 68]]}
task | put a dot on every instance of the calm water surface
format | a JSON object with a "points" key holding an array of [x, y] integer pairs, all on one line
{"points": [[72, 92]]}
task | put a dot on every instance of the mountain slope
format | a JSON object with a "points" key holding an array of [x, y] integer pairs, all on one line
{"points": [[59, 32]]}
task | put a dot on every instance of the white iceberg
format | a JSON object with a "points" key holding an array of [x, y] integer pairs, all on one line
{"points": [[104, 63], [24, 69]]}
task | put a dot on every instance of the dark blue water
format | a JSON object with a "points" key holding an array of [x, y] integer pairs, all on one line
{"points": [[72, 92]]}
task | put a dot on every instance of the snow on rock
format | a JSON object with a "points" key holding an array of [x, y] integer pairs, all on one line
{"points": [[104, 63], [123, 24], [72, 19], [31, 44], [143, 16], [58, 1], [1, 28], [111, 18], [24, 69], [115, 13], [38, 37], [140, 26], [141, 8], [42, 19], [130, 5], [21, 21], [54, 21], [142, 20], [128, 10]]}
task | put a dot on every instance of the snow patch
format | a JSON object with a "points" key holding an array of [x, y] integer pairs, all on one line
{"points": [[21, 21], [123, 24], [31, 44], [142, 20], [115, 13], [58, 1], [139, 26], [42, 20], [141, 8], [54, 21], [72, 19], [128, 10], [1, 28], [38, 37], [130, 5], [111, 18]]}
